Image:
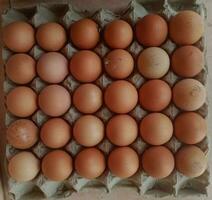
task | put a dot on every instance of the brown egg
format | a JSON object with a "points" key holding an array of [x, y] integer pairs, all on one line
{"points": [[189, 94], [21, 101], [18, 36], [156, 129], [155, 95], [85, 66], [121, 96], [187, 61], [20, 68], [23, 167], [54, 100], [84, 34], [88, 130], [55, 133], [118, 34], [190, 127], [158, 161], [51, 36], [122, 130], [151, 30], [153, 62], [90, 163], [87, 98], [191, 161], [186, 27], [119, 63], [57, 165], [52, 67], [123, 162]]}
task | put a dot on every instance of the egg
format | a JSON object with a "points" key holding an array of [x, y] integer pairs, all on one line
{"points": [[191, 161], [21, 101], [57, 165], [88, 130], [151, 30], [190, 127], [189, 94], [121, 96], [119, 63], [187, 61], [118, 34], [122, 130], [153, 62], [20, 68], [55, 133], [85, 66], [87, 98], [23, 167], [84, 33], [52, 67], [22, 134], [123, 162], [158, 162], [51, 36], [186, 27], [90, 163], [155, 95], [54, 100], [156, 129], [18, 36]]}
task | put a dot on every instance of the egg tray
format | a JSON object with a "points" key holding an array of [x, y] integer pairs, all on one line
{"points": [[174, 185]]}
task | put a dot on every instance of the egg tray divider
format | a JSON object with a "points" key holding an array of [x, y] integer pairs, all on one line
{"points": [[174, 185]]}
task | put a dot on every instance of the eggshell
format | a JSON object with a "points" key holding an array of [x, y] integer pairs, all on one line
{"points": [[123, 162], [189, 94], [121, 96], [191, 161], [90, 163], [158, 161]]}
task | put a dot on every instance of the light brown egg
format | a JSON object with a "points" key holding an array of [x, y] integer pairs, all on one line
{"points": [[119, 63], [121, 96], [88, 130], [151, 30], [54, 100], [123, 162], [118, 34], [20, 68], [189, 94], [153, 62], [158, 161], [23, 167], [190, 127], [85, 66], [90, 163], [84, 34], [51, 36], [21, 101], [87, 98], [186, 27], [52, 67], [122, 130], [57, 165], [55, 133], [19, 36], [187, 61], [156, 129], [191, 161], [155, 95], [22, 134]]}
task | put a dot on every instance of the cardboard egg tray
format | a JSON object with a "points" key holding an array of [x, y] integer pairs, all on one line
{"points": [[174, 185]]}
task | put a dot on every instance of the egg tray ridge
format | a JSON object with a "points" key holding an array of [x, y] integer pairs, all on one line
{"points": [[176, 184]]}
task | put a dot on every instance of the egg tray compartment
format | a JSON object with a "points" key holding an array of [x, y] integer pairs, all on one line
{"points": [[174, 185]]}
